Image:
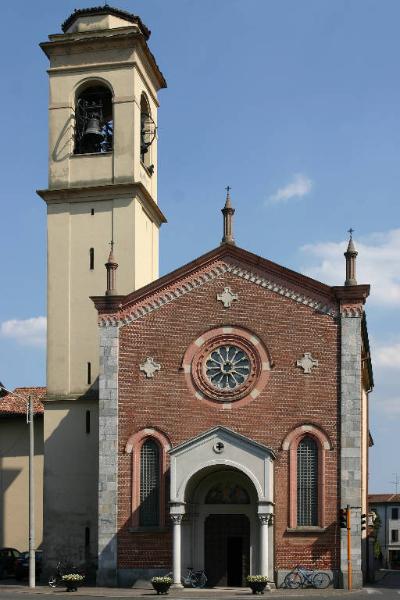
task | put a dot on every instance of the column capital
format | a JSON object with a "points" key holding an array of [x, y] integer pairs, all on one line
{"points": [[176, 519], [265, 519]]}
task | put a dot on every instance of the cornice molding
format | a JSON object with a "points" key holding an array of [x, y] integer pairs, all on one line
{"points": [[104, 192], [169, 294]]}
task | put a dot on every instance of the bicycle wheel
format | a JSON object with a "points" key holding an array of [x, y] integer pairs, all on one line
{"points": [[53, 581], [321, 580], [293, 580], [202, 580]]}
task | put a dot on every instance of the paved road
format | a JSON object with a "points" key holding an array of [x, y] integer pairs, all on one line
{"points": [[386, 588]]}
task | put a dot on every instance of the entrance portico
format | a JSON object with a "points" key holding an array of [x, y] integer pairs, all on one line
{"points": [[222, 501]]}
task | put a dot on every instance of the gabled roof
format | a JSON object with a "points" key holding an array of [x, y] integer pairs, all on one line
{"points": [[384, 498], [13, 404], [225, 258], [224, 432]]}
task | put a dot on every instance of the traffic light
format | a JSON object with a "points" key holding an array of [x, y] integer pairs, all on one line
{"points": [[363, 521], [343, 518]]}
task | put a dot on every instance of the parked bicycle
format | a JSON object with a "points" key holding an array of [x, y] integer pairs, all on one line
{"points": [[196, 579], [301, 577], [63, 568]]}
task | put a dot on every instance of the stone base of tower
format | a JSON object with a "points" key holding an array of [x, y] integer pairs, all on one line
{"points": [[357, 580]]}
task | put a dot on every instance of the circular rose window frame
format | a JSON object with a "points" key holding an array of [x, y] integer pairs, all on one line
{"points": [[194, 365]]}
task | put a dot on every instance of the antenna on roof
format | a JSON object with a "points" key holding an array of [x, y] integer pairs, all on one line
{"points": [[396, 482]]}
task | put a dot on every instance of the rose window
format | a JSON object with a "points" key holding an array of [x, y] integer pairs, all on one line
{"points": [[227, 367], [226, 364]]}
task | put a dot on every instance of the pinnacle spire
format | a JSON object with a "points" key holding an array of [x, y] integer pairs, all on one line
{"points": [[351, 255], [111, 267], [228, 213]]}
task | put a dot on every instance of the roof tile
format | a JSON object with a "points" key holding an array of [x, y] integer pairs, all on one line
{"points": [[12, 403]]}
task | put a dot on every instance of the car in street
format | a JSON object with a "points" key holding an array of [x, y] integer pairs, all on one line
{"points": [[8, 559], [22, 565]]}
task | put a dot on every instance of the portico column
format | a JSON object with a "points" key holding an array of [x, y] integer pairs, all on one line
{"points": [[176, 549], [264, 520]]}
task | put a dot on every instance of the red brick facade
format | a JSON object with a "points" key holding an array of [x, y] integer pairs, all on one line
{"points": [[287, 328]]}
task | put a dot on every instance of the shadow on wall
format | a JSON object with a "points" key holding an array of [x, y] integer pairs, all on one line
{"points": [[71, 482], [149, 550], [14, 480], [7, 477]]}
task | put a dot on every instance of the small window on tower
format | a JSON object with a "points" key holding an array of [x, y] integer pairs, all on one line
{"points": [[91, 259], [148, 131], [88, 421], [92, 212], [89, 373], [93, 120]]}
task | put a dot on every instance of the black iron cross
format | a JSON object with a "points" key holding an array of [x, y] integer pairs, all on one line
{"points": [[351, 231]]}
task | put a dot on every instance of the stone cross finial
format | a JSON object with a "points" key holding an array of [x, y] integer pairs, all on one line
{"points": [[228, 213]]}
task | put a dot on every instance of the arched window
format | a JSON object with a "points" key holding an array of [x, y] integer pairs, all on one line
{"points": [[307, 446], [147, 133], [149, 510], [149, 450], [307, 482], [93, 120]]}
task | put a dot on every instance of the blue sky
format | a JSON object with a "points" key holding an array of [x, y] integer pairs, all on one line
{"points": [[296, 105]]}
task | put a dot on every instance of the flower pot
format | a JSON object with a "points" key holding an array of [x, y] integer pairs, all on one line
{"points": [[161, 588], [257, 587], [72, 586]]}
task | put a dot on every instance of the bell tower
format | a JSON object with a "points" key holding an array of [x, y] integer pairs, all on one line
{"points": [[102, 187]]}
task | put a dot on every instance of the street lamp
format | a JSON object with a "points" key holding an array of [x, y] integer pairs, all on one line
{"points": [[29, 420]]}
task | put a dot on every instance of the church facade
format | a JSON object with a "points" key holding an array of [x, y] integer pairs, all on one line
{"points": [[233, 404], [222, 420]]}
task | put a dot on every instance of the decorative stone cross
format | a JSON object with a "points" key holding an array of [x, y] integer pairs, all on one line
{"points": [[307, 362], [218, 447], [150, 367], [227, 297]]}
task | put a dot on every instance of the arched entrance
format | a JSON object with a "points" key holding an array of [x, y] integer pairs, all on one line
{"points": [[222, 510], [221, 501]]}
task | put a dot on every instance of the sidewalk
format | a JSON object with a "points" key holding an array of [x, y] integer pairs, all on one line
{"points": [[185, 593]]}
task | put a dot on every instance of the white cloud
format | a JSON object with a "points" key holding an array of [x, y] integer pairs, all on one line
{"points": [[300, 186], [27, 332], [387, 356], [377, 264]]}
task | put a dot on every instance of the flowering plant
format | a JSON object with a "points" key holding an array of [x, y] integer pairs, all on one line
{"points": [[257, 579], [73, 577], [165, 579]]}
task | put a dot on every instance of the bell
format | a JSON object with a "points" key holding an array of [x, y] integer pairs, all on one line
{"points": [[93, 135]]}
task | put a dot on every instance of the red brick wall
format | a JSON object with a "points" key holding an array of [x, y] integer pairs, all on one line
{"points": [[290, 398]]}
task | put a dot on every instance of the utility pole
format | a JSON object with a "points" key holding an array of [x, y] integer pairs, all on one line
{"points": [[32, 562]]}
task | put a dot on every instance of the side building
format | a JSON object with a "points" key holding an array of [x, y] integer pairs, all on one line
{"points": [[387, 507], [14, 468]]}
